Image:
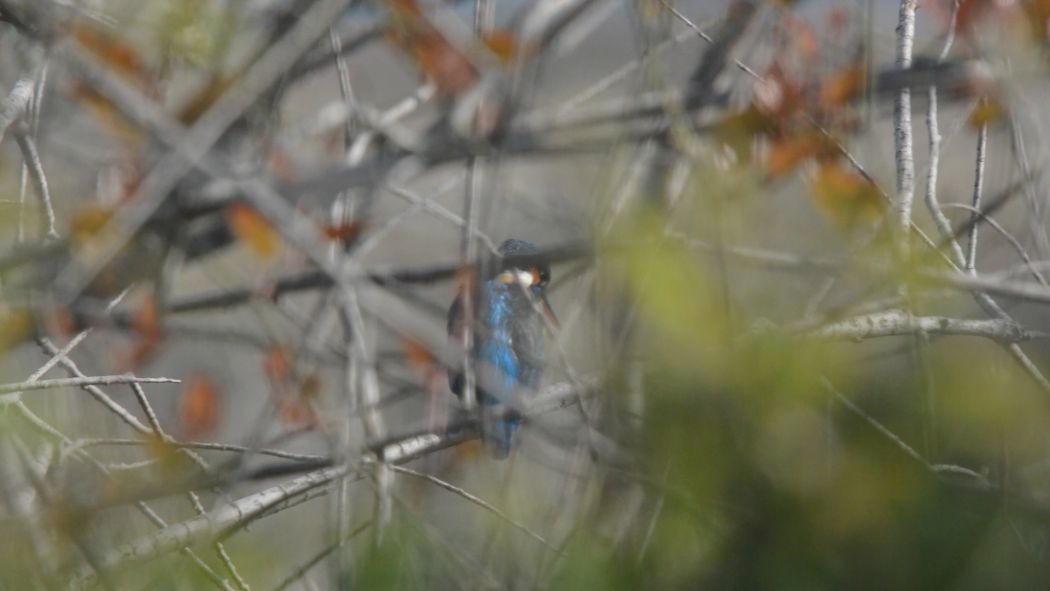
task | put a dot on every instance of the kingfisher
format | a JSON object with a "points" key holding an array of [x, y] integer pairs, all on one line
{"points": [[507, 352]]}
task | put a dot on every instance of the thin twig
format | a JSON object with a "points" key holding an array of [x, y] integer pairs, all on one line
{"points": [[898, 322], [215, 522], [900, 443], [978, 186], [944, 226], [14, 105], [306, 566], [36, 172], [476, 500], [1014, 242], [201, 445], [79, 382]]}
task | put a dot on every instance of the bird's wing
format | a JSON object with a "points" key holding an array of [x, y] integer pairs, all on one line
{"points": [[528, 338], [456, 324]]}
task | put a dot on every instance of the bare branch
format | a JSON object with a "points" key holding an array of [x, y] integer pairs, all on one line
{"points": [[978, 186], [15, 104], [944, 226], [82, 381], [902, 142], [898, 322], [36, 172], [215, 523], [198, 140], [476, 500]]}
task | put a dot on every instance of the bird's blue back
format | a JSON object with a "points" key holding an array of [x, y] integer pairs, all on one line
{"points": [[510, 355]]}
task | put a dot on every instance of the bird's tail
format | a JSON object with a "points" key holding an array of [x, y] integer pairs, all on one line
{"points": [[498, 430]]}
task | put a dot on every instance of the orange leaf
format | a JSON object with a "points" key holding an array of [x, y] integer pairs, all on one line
{"points": [[845, 195], [345, 232], [987, 110], [145, 323], [295, 412], [146, 320], [110, 118], [418, 356], [199, 406], [123, 60], [970, 12], [788, 152], [446, 66], [277, 364], [310, 387], [120, 57], [253, 230], [1037, 13], [439, 60], [87, 222], [502, 44], [842, 87], [141, 353], [15, 326]]}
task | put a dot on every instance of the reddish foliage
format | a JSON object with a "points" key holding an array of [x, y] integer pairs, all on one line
{"points": [[788, 152], [1037, 15], [296, 412], [418, 356], [111, 119], [502, 44], [123, 60], [972, 12], [310, 387], [199, 406], [293, 401], [146, 326], [844, 195], [277, 364], [841, 87], [88, 221], [345, 232], [118, 56], [439, 60], [986, 111], [251, 228], [15, 326], [777, 95]]}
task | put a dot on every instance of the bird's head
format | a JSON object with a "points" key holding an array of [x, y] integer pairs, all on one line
{"points": [[534, 276]]}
